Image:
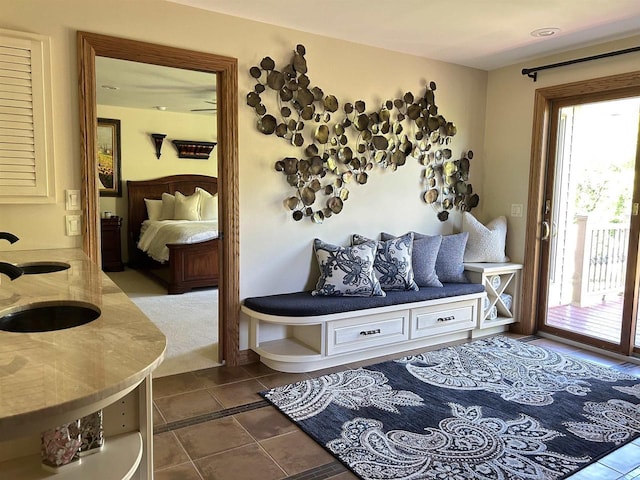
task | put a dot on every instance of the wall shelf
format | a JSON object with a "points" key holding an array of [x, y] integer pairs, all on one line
{"points": [[193, 148], [118, 459]]}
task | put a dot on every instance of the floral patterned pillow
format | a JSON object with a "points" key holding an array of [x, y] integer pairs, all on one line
{"points": [[346, 271], [423, 258], [392, 264]]}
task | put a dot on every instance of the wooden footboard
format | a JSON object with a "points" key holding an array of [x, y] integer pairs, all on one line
{"points": [[190, 265], [193, 265]]}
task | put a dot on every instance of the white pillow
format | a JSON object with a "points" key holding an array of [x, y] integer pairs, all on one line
{"points": [[154, 208], [168, 206], [187, 208], [208, 205], [486, 243]]}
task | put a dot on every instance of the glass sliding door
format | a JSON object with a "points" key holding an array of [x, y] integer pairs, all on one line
{"points": [[589, 253]]}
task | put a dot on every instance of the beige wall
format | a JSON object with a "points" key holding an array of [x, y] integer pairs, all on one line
{"points": [[510, 98], [493, 112], [279, 249], [276, 253]]}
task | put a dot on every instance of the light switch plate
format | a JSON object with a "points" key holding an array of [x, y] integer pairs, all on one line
{"points": [[72, 199], [516, 210], [73, 224]]}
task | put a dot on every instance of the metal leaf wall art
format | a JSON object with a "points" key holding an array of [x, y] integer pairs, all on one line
{"points": [[344, 145]]}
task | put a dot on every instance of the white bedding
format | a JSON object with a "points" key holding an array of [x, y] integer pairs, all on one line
{"points": [[155, 234]]}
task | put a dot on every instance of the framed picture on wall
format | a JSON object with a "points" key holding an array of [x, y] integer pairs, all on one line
{"points": [[109, 175]]}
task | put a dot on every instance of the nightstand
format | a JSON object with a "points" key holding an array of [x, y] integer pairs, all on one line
{"points": [[111, 249], [502, 283]]}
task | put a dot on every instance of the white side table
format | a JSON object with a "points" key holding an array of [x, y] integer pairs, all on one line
{"points": [[498, 279]]}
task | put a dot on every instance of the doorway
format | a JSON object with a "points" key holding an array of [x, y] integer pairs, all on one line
{"points": [[144, 98], [583, 228], [91, 45], [587, 217]]}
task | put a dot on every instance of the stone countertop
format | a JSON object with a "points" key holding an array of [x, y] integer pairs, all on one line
{"points": [[45, 377]]}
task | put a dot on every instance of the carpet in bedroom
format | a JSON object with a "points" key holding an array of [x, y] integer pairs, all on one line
{"points": [[189, 321], [494, 408]]}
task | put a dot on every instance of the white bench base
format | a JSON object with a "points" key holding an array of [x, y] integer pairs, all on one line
{"points": [[304, 344]]}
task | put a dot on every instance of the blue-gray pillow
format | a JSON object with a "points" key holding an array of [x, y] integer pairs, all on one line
{"points": [[392, 264], [346, 271], [449, 264], [423, 258]]}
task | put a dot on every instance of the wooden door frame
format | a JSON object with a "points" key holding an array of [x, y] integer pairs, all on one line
{"points": [[226, 71], [627, 83]]}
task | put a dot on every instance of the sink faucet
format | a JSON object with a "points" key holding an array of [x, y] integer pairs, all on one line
{"points": [[9, 269], [8, 236]]}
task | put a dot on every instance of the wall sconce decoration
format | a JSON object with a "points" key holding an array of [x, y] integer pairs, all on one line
{"points": [[193, 149], [345, 146], [157, 141]]}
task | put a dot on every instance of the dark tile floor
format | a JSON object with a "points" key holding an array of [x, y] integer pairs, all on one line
{"points": [[212, 425]]}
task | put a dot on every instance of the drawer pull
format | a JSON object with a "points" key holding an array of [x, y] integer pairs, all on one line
{"points": [[370, 332], [446, 319]]}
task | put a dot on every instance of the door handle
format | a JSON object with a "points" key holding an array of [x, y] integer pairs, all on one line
{"points": [[546, 231]]}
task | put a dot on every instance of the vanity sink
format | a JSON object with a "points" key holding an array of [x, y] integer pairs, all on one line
{"points": [[48, 316], [33, 268]]}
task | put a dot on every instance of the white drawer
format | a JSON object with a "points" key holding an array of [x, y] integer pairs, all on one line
{"points": [[438, 319], [365, 332]]}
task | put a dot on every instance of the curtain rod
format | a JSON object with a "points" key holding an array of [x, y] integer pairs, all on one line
{"points": [[533, 72]]}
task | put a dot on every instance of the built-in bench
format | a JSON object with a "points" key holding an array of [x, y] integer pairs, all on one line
{"points": [[303, 304], [298, 332]]}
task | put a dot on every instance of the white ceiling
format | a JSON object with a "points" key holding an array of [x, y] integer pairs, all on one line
{"points": [[485, 34], [138, 85]]}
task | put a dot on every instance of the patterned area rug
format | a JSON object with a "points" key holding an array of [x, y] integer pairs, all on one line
{"points": [[491, 409]]}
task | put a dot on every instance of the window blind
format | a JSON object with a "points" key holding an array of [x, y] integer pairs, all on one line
{"points": [[26, 166]]}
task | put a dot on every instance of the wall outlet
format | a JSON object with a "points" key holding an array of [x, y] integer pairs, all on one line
{"points": [[74, 224], [516, 210], [72, 198]]}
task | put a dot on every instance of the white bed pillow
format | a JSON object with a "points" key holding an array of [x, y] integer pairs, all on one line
{"points": [[208, 205], [486, 243], [168, 206], [154, 208], [187, 207]]}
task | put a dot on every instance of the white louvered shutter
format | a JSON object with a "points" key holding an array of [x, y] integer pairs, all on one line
{"points": [[26, 149]]}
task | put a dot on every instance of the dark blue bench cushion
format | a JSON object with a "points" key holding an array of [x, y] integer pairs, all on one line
{"points": [[303, 304]]}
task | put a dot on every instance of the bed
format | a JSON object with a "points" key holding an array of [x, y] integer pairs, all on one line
{"points": [[189, 265]]}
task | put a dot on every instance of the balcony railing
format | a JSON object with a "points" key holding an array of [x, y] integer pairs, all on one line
{"points": [[601, 259]]}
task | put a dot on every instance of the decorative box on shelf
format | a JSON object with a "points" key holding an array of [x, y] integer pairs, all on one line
{"points": [[502, 284], [193, 148]]}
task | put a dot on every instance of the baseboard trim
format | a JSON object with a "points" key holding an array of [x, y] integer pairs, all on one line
{"points": [[246, 357]]}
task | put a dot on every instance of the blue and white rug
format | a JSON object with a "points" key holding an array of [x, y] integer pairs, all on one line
{"points": [[493, 409]]}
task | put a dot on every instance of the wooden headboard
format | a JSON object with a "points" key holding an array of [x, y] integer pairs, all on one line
{"points": [[138, 190]]}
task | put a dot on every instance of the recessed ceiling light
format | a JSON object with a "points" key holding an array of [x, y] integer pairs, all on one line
{"points": [[160, 107], [545, 32], [110, 87]]}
